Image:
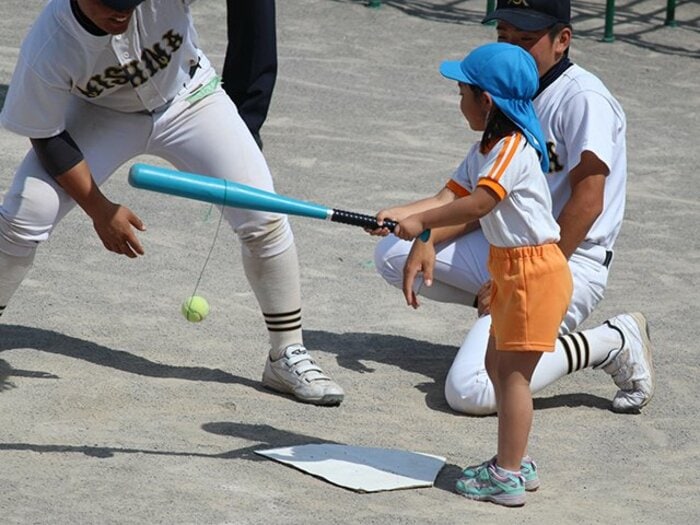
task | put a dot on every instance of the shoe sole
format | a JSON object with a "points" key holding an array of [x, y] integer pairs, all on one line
{"points": [[506, 501], [326, 401], [643, 326]]}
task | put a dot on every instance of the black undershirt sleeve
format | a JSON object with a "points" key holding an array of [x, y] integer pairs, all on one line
{"points": [[57, 154]]}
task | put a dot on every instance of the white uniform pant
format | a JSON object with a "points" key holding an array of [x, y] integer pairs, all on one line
{"points": [[206, 136], [462, 264]]}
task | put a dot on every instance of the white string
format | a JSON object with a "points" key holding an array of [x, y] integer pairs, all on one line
{"points": [[213, 242]]}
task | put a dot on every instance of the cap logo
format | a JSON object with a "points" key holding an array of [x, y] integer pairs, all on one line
{"points": [[519, 3]]}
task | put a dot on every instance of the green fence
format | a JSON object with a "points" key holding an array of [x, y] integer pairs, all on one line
{"points": [[609, 35]]}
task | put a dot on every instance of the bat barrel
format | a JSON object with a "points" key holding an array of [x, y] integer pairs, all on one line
{"points": [[237, 195], [219, 191]]}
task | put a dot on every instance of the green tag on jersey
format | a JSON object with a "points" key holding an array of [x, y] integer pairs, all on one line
{"points": [[205, 90]]}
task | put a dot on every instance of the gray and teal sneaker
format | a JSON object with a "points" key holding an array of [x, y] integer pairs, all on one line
{"points": [[528, 470], [491, 483]]}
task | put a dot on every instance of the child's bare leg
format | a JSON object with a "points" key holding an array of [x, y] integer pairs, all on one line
{"points": [[513, 371], [491, 362]]}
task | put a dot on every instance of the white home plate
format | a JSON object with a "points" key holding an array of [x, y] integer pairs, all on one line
{"points": [[360, 468]]}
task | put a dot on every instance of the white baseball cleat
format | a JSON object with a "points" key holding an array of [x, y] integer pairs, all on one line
{"points": [[632, 368], [298, 374]]}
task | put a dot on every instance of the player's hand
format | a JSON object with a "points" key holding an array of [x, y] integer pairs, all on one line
{"points": [[484, 299], [421, 259], [409, 228], [382, 231], [115, 226]]}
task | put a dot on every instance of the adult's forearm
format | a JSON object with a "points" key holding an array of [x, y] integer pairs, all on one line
{"points": [[578, 216], [574, 228], [585, 204], [80, 185]]}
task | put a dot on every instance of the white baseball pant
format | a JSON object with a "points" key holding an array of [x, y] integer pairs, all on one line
{"points": [[460, 271], [205, 136]]}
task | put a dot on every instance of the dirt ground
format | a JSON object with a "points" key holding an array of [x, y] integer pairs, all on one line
{"points": [[115, 410]]}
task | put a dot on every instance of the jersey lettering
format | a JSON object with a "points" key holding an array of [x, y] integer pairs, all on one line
{"points": [[114, 76], [173, 40], [136, 72], [155, 59], [554, 164], [92, 88]]}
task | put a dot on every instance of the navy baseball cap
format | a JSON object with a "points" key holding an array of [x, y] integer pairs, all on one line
{"points": [[509, 74], [531, 15], [121, 5]]}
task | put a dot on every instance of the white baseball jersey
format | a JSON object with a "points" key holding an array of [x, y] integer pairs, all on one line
{"points": [[121, 96], [577, 113], [512, 170], [140, 70]]}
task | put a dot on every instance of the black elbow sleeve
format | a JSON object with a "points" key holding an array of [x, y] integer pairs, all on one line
{"points": [[57, 154]]}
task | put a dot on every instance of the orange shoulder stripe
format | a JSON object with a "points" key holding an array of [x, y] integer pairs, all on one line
{"points": [[494, 186], [456, 188], [506, 154]]}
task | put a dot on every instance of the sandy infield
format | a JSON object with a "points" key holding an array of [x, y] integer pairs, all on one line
{"points": [[115, 410]]}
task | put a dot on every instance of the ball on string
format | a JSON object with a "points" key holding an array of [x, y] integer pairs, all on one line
{"points": [[195, 309]]}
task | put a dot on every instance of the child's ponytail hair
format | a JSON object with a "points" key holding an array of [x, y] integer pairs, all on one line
{"points": [[498, 124]]}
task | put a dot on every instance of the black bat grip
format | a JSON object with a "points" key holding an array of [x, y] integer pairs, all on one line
{"points": [[360, 219]]}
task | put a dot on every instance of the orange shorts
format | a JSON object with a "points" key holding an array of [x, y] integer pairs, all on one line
{"points": [[530, 293]]}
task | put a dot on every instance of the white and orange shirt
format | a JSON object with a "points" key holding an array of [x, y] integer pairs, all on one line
{"points": [[511, 169]]}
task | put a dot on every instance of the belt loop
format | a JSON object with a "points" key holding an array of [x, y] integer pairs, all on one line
{"points": [[194, 68], [608, 258]]}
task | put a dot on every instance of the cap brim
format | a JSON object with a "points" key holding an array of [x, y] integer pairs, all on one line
{"points": [[452, 69], [523, 19], [121, 5]]}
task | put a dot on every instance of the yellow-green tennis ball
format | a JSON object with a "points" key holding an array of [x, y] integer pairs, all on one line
{"points": [[195, 309]]}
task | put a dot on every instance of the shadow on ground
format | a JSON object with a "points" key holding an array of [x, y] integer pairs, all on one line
{"points": [[263, 437], [631, 26], [15, 336], [351, 350]]}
